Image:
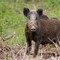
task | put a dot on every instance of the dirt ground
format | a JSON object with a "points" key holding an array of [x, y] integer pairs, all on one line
{"points": [[46, 52]]}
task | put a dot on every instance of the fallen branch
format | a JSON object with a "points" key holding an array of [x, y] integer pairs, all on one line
{"points": [[8, 36], [53, 42]]}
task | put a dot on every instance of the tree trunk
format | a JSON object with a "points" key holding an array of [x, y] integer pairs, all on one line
{"points": [[33, 4], [26, 1]]}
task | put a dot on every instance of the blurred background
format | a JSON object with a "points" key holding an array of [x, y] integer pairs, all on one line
{"points": [[13, 20]]}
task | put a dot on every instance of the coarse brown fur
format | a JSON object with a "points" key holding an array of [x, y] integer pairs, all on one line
{"points": [[41, 31], [50, 28], [42, 15]]}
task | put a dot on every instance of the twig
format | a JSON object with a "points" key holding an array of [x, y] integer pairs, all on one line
{"points": [[53, 42], [24, 55], [8, 36], [13, 56]]}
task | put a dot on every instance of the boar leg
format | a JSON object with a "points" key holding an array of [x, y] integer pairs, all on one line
{"points": [[37, 43], [28, 47], [28, 40]]}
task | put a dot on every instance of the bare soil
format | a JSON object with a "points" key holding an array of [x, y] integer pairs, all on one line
{"points": [[46, 52]]}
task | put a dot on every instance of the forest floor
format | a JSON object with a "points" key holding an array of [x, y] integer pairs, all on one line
{"points": [[46, 52]]}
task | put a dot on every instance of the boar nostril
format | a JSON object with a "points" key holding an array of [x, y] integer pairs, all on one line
{"points": [[33, 29]]}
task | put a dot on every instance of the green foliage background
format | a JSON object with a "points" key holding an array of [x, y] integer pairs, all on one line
{"points": [[12, 18]]}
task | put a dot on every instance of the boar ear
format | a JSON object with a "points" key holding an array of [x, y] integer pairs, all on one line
{"points": [[26, 11], [40, 12]]}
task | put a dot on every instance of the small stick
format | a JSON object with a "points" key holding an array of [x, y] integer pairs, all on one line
{"points": [[8, 36], [24, 55]]}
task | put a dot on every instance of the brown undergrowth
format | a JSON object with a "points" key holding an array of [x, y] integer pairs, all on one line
{"points": [[46, 52]]}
